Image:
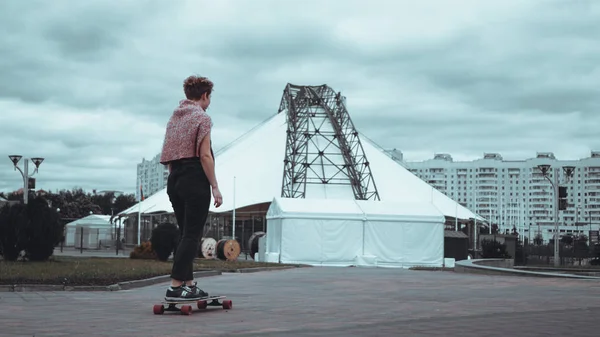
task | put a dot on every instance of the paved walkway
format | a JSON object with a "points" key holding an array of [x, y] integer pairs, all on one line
{"points": [[323, 302]]}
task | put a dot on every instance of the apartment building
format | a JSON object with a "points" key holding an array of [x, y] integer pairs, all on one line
{"points": [[515, 193], [152, 176]]}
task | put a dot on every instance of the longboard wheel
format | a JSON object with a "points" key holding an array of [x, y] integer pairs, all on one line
{"points": [[158, 309], [186, 309], [202, 304], [227, 304]]}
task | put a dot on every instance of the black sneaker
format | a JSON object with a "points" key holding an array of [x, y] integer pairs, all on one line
{"points": [[181, 293], [197, 291]]}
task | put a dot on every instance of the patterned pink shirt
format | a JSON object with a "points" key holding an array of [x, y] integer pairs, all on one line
{"points": [[186, 129]]}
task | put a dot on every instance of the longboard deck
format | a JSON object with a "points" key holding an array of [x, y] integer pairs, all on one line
{"points": [[184, 301], [186, 308]]}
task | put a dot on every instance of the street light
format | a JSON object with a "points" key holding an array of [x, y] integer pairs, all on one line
{"points": [[62, 242], [37, 161], [568, 171]]}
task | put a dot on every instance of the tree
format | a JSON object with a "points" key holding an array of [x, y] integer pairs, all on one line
{"points": [[494, 229], [14, 196], [123, 202], [492, 249], [78, 204], [567, 240], [104, 202]]}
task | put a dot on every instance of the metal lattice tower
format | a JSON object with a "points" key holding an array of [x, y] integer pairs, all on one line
{"points": [[322, 145]]}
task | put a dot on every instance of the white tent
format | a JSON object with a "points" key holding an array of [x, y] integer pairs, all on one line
{"points": [[95, 228], [354, 232], [256, 162]]}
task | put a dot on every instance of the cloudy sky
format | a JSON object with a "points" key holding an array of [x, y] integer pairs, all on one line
{"points": [[90, 85]]}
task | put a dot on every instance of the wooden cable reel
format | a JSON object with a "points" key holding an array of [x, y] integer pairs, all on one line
{"points": [[228, 250], [208, 248], [253, 243]]}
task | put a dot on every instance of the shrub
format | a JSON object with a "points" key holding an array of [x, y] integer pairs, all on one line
{"points": [[595, 255], [34, 228], [143, 251], [164, 239], [521, 254], [12, 238], [492, 249], [43, 230], [581, 250]]}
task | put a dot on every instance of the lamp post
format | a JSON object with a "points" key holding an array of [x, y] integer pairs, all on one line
{"points": [[589, 216], [62, 242], [25, 172], [568, 170]]}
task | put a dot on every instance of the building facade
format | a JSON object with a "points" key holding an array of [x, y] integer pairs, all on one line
{"points": [[152, 176], [514, 194]]}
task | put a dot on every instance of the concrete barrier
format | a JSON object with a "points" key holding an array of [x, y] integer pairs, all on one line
{"points": [[504, 267]]}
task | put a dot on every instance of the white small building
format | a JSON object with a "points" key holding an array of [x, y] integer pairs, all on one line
{"points": [[89, 232]]}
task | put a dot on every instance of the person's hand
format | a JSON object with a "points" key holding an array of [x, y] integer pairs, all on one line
{"points": [[218, 197]]}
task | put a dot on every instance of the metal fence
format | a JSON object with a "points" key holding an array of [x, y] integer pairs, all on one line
{"points": [[578, 254], [218, 226]]}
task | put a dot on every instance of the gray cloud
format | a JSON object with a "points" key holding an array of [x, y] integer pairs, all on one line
{"points": [[86, 43], [90, 85]]}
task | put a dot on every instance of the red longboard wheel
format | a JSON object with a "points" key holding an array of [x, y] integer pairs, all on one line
{"points": [[202, 304], [227, 304], [158, 309], [186, 309]]}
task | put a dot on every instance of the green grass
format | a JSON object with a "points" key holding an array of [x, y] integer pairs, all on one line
{"points": [[97, 271]]}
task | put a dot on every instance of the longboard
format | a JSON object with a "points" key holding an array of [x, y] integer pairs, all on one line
{"points": [[186, 308]]}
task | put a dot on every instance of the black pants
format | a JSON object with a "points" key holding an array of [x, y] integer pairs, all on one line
{"points": [[189, 192]]}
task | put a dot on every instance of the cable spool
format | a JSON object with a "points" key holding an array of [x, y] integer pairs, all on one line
{"points": [[208, 248], [253, 243], [228, 250]]}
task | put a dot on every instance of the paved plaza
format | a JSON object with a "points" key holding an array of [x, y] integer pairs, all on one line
{"points": [[323, 302]]}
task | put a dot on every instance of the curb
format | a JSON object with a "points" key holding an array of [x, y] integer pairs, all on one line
{"points": [[474, 267], [154, 280], [113, 287], [126, 285], [432, 268], [257, 269]]}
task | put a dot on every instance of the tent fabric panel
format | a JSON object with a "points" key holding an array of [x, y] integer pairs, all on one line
{"points": [[313, 209]]}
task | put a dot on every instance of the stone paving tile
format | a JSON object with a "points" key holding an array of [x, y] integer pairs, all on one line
{"points": [[322, 302]]}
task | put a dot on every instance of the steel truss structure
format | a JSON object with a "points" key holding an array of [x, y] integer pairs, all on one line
{"points": [[322, 145]]}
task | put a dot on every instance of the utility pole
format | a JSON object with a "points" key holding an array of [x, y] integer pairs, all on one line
{"points": [[568, 170]]}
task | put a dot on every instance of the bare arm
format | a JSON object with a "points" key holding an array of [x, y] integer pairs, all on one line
{"points": [[207, 161]]}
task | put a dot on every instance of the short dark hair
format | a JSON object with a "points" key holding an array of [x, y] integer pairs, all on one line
{"points": [[195, 86]]}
